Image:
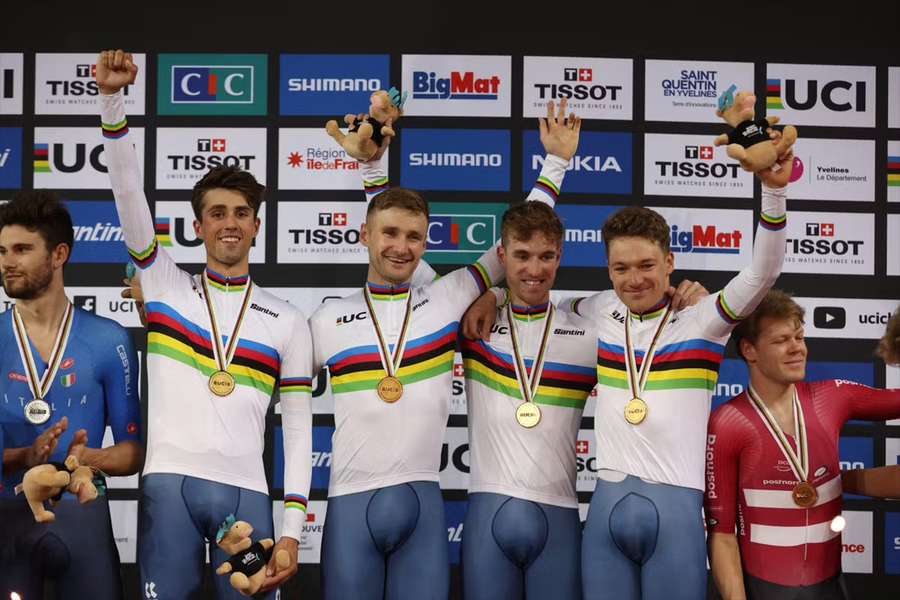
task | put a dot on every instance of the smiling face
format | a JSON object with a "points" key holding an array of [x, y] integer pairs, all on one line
{"points": [[396, 239], [26, 264], [531, 267], [639, 271], [228, 227], [779, 352]]}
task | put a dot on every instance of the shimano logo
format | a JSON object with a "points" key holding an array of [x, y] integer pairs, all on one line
{"points": [[584, 235], [99, 232], [455, 159], [333, 85], [561, 331], [263, 309]]}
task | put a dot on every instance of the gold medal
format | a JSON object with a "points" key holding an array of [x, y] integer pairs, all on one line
{"points": [[390, 389], [635, 411], [37, 412], [221, 383], [805, 495], [528, 414]]}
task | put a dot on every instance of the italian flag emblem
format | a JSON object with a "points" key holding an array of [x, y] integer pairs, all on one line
{"points": [[67, 380]]}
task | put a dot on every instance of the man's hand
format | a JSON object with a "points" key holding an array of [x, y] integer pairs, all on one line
{"points": [[78, 446], [115, 70], [45, 444], [480, 317], [559, 135], [274, 576], [135, 292], [779, 174], [688, 294]]}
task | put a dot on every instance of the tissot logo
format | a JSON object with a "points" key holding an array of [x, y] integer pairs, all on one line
{"points": [[830, 317], [698, 152], [335, 219], [821, 94], [580, 90], [688, 165], [829, 242], [310, 232], [595, 88], [212, 84], [64, 84], [183, 156]]}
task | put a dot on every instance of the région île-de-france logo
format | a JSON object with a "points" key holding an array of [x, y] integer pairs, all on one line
{"points": [[459, 85], [322, 159], [212, 84]]}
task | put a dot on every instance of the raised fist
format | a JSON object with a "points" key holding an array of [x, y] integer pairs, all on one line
{"points": [[115, 70]]}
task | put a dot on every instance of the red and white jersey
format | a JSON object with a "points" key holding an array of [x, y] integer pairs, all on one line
{"points": [[749, 480]]}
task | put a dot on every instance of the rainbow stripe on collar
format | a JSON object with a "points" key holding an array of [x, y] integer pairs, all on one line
{"points": [[653, 312], [388, 292], [529, 313], [227, 284]]}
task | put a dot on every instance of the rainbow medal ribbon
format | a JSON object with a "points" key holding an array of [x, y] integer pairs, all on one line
{"points": [[389, 388], [221, 382], [804, 493], [38, 411], [528, 414], [636, 409]]}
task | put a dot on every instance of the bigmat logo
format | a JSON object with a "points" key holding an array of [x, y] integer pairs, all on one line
{"points": [[175, 233], [893, 170], [583, 245], [64, 85], [596, 88], [602, 165], [10, 158], [710, 240], [856, 542], [308, 159], [893, 244], [102, 301], [679, 90], [11, 83], [321, 232], [830, 95], [311, 532], [330, 84], [212, 84], [893, 96], [184, 155], [98, 234], [689, 165], [857, 318], [830, 243], [892, 543], [455, 459], [460, 232], [72, 157], [455, 159], [456, 85], [834, 170]]}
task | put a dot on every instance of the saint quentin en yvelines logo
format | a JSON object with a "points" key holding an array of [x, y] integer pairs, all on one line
{"points": [[212, 84]]}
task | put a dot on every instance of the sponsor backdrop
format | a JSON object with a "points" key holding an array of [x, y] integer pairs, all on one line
{"points": [[469, 142]]}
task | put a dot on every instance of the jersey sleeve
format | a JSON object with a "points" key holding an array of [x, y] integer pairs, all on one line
{"points": [[120, 386], [159, 271], [463, 286], [591, 307], [720, 313], [295, 393], [723, 451], [858, 401]]}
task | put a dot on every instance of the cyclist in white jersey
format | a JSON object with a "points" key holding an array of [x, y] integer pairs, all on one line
{"points": [[218, 348], [385, 535]]}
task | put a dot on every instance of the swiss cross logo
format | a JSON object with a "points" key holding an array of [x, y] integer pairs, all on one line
{"points": [[582, 447], [333, 219], [211, 145], [310, 517], [820, 229], [698, 152], [85, 70], [585, 74], [458, 370]]}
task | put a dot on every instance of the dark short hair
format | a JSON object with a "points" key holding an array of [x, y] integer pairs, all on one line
{"points": [[776, 304], [40, 211], [228, 178], [637, 221], [523, 220], [398, 197]]}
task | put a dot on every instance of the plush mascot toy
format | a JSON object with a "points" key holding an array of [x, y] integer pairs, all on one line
{"points": [[48, 482], [366, 135], [749, 141], [248, 559]]}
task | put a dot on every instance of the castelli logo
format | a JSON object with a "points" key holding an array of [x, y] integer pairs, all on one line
{"points": [[17, 377], [67, 363]]}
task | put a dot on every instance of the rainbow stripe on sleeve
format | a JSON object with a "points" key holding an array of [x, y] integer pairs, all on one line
{"points": [[115, 130], [296, 501]]}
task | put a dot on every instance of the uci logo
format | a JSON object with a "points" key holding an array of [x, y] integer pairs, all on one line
{"points": [[838, 95], [350, 318], [58, 157]]}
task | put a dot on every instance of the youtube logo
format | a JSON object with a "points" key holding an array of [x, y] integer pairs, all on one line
{"points": [[830, 317]]}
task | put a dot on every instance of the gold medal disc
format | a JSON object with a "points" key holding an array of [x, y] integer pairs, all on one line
{"points": [[37, 411], [635, 411], [804, 494], [221, 383], [390, 389], [528, 414]]}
